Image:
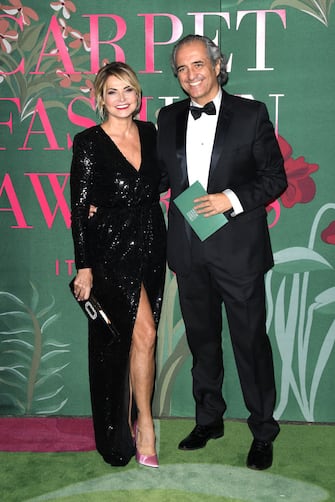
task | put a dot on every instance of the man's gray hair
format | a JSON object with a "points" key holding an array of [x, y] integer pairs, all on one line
{"points": [[213, 52]]}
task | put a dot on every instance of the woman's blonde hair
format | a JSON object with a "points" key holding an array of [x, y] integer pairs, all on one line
{"points": [[121, 71]]}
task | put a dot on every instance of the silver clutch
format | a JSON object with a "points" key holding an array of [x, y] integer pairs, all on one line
{"points": [[94, 311]]}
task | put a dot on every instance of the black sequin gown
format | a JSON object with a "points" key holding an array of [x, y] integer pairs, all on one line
{"points": [[124, 244]]}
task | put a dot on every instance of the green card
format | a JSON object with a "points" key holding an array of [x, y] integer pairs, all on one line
{"points": [[203, 227]]}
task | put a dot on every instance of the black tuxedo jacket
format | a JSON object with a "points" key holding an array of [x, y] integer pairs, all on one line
{"points": [[245, 158]]}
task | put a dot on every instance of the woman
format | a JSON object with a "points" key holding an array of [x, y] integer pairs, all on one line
{"points": [[120, 253]]}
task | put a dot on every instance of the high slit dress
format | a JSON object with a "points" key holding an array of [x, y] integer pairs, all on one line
{"points": [[124, 243]]}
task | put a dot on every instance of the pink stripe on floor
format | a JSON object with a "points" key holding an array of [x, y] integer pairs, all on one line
{"points": [[51, 434]]}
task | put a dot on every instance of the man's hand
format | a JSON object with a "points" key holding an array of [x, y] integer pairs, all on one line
{"points": [[213, 203]]}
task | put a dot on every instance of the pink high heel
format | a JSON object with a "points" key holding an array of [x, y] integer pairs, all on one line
{"points": [[146, 460]]}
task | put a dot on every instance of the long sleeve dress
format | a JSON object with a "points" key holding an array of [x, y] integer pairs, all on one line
{"points": [[124, 244]]}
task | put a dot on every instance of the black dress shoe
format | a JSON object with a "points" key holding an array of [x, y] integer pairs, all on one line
{"points": [[200, 435], [260, 455]]}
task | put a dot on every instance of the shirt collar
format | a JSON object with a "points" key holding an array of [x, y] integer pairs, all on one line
{"points": [[216, 101]]}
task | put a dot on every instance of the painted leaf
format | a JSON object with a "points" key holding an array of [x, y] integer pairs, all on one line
{"points": [[27, 350], [320, 9], [54, 353], [326, 301], [52, 409], [299, 259], [15, 299], [48, 104], [50, 395], [29, 38]]}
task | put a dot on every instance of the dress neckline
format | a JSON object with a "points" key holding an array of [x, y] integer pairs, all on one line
{"points": [[118, 149]]}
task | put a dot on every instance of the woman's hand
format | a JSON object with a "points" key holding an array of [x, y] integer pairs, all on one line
{"points": [[83, 284], [92, 211]]}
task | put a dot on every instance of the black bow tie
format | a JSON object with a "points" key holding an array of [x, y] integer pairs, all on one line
{"points": [[209, 108]]}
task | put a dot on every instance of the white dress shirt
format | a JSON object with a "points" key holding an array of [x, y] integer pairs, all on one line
{"points": [[200, 136]]}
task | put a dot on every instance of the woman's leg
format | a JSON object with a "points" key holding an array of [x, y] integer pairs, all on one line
{"points": [[142, 372]]}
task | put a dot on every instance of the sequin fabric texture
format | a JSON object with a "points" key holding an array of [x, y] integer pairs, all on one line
{"points": [[124, 244]]}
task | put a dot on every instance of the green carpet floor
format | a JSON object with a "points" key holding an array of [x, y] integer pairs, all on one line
{"points": [[303, 470]]}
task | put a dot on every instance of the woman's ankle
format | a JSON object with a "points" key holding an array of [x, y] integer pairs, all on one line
{"points": [[145, 438]]}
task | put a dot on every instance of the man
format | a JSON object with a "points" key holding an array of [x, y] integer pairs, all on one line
{"points": [[233, 152]]}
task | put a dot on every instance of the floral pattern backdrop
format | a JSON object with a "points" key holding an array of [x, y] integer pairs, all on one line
{"points": [[280, 52]]}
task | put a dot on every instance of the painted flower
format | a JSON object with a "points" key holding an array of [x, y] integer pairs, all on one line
{"points": [[6, 37], [328, 234], [65, 28], [16, 8], [2, 76], [66, 6], [301, 187], [67, 79], [79, 40], [165, 199], [274, 206], [88, 88]]}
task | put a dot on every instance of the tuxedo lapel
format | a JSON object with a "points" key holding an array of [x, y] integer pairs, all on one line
{"points": [[223, 121], [181, 126]]}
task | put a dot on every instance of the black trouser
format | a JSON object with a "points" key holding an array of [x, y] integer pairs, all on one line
{"points": [[201, 295]]}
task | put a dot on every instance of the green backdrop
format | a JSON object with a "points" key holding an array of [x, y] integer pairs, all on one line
{"points": [[280, 52]]}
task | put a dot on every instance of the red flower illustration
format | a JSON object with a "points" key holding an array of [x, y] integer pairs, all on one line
{"points": [[7, 36], [328, 234], [275, 206], [68, 79], [301, 187], [65, 28], [80, 39], [26, 13], [165, 199], [65, 5], [89, 88]]}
